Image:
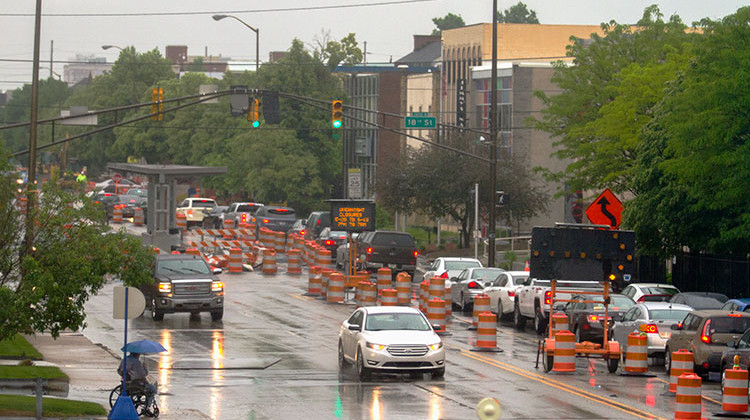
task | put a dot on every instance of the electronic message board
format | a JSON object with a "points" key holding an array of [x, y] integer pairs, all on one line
{"points": [[352, 215]]}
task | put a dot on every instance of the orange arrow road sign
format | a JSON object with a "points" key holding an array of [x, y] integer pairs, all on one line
{"points": [[605, 210]]}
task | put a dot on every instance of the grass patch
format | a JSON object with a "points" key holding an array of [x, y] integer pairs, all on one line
{"points": [[21, 405], [46, 372], [18, 348]]}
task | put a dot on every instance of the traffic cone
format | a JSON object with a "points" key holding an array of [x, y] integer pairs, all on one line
{"points": [[527, 268]]}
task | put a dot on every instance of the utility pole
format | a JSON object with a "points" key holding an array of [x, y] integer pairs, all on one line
{"points": [[31, 193], [493, 142], [51, 52]]}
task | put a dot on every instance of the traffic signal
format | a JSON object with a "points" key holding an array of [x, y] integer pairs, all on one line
{"points": [[337, 113], [157, 107], [254, 115]]}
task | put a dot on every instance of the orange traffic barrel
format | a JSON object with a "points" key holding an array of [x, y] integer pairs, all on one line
{"points": [[138, 218], [682, 362], [403, 289], [481, 304], [565, 352], [487, 333], [117, 214], [21, 203], [423, 290], [325, 275], [279, 242], [448, 297], [688, 405], [313, 281], [235, 261], [228, 227], [294, 265], [636, 356], [369, 294], [269, 261], [436, 313], [436, 288], [384, 279], [559, 322], [734, 396], [335, 293], [389, 297], [192, 251], [181, 221]]}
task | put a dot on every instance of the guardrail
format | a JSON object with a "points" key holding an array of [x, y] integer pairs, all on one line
{"points": [[35, 386], [519, 245]]}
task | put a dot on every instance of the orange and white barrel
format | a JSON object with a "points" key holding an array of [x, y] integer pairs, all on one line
{"points": [[448, 301], [403, 289], [359, 295], [228, 228], [335, 292], [436, 313], [436, 288], [487, 330], [682, 362], [369, 294], [636, 357], [481, 304], [689, 404], [269, 261], [235, 261], [138, 217], [384, 279], [389, 297], [265, 238], [324, 281], [117, 214], [424, 289], [181, 221], [280, 242], [559, 322], [21, 204], [565, 352], [323, 257], [313, 281], [294, 265], [735, 396]]}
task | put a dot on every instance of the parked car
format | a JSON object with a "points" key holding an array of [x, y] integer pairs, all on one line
{"points": [[331, 240], [448, 267], [469, 283], [739, 347], [502, 291], [276, 218], [214, 219], [700, 300], [241, 212], [390, 339], [316, 222], [586, 315], [706, 334], [652, 318], [649, 292], [738, 305], [195, 209]]}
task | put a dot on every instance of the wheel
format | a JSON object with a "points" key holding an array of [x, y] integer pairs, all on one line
{"points": [[217, 315], [612, 365], [540, 324], [155, 410], [363, 372], [578, 334], [114, 395], [518, 320], [438, 373], [343, 363], [156, 314], [500, 314], [668, 361]]}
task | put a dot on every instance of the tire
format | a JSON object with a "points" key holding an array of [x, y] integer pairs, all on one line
{"points": [[438, 373], [114, 395], [217, 315], [156, 314], [548, 361], [668, 361], [363, 372], [540, 324], [518, 320], [500, 314], [612, 365], [343, 363]]}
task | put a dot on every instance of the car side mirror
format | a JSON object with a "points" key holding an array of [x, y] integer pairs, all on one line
{"points": [[436, 327], [731, 344], [216, 270], [355, 327]]}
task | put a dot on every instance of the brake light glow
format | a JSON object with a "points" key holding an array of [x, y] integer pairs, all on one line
{"points": [[735, 315], [593, 318], [416, 253], [705, 334], [369, 251], [329, 242], [190, 211], [444, 275], [511, 293], [472, 285], [265, 220], [302, 232], [548, 297], [650, 328], [165, 287], [244, 218], [641, 299]]}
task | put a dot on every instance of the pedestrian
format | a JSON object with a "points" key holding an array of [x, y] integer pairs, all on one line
{"points": [[138, 374]]}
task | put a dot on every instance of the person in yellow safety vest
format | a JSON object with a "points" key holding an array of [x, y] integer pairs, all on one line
{"points": [[81, 178]]}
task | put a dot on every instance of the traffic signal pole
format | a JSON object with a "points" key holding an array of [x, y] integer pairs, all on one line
{"points": [[493, 143]]}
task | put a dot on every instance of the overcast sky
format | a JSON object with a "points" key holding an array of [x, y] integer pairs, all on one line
{"points": [[387, 26]]}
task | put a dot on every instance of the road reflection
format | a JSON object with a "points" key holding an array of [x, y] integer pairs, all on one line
{"points": [[165, 369], [217, 376], [376, 410]]}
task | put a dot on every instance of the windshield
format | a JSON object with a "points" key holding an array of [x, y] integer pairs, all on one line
{"points": [[396, 321], [729, 325], [519, 280], [460, 265], [485, 274], [669, 314], [167, 267]]}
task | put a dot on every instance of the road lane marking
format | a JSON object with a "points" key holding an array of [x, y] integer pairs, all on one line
{"points": [[563, 387]]}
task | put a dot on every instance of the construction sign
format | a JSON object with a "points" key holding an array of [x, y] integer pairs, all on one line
{"points": [[605, 210]]}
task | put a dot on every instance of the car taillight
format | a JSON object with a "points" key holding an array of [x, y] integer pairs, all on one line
{"points": [[244, 218], [472, 285], [165, 287], [548, 297], [705, 334], [369, 251], [265, 220], [302, 232], [593, 318], [329, 242], [641, 299], [416, 253], [736, 315], [511, 293], [444, 275], [650, 328], [190, 212]]}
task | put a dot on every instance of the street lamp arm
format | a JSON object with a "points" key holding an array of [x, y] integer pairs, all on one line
{"points": [[220, 17]]}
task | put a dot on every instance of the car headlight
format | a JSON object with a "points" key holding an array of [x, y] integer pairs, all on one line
{"points": [[436, 346], [217, 286], [375, 346], [165, 287]]}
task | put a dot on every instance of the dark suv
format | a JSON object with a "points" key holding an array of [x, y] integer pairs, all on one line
{"points": [[276, 218], [316, 222]]}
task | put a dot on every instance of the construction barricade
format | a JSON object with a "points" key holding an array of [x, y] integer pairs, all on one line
{"points": [[335, 292], [279, 242], [369, 294], [314, 282], [181, 221], [324, 279], [235, 261], [636, 356], [294, 264], [117, 214], [559, 322], [688, 405], [138, 217], [436, 289], [384, 279], [448, 297], [565, 352], [424, 288], [269, 261], [682, 362], [323, 257], [481, 304], [403, 289], [228, 228], [389, 297], [436, 314], [734, 399], [487, 333]]}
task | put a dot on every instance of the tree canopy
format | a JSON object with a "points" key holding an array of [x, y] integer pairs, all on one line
{"points": [[518, 13], [449, 21]]}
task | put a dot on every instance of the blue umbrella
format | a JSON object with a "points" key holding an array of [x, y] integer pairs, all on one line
{"points": [[143, 347]]}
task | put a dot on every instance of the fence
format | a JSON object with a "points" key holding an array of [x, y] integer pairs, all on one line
{"points": [[725, 274]]}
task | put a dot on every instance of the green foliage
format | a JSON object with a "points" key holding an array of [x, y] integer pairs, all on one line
{"points": [[517, 13], [21, 405], [449, 21], [18, 347], [334, 53], [18, 371]]}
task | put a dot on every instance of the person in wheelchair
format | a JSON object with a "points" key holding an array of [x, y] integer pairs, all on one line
{"points": [[137, 376]]}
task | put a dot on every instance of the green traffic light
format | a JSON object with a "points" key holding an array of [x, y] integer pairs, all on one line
{"points": [[336, 124], [256, 124]]}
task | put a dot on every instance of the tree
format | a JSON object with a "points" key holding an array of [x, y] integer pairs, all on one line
{"points": [[449, 21], [334, 53], [72, 259], [517, 14]]}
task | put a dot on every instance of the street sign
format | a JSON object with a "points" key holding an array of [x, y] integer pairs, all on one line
{"points": [[136, 303], [420, 114], [354, 183], [116, 178], [605, 210], [420, 122]]}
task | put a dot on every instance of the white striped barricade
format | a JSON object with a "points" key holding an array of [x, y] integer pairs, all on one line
{"points": [[294, 265], [235, 261], [384, 279], [436, 314], [734, 400], [138, 217], [481, 304], [682, 362], [636, 355], [314, 282], [335, 292], [565, 353], [689, 404], [448, 301], [389, 297], [269, 261], [403, 289], [487, 333], [228, 228]]}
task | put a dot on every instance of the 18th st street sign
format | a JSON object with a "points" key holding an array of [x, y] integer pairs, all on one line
{"points": [[420, 122]]}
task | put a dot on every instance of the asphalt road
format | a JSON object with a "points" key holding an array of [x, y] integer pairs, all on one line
{"points": [[273, 356]]}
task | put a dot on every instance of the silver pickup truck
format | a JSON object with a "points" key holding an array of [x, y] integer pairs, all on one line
{"points": [[533, 300]]}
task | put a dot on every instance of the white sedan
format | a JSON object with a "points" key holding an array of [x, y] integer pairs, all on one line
{"points": [[447, 267], [390, 339], [502, 291], [469, 283]]}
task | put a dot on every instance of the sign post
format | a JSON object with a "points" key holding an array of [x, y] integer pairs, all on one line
{"points": [[605, 210], [352, 216]]}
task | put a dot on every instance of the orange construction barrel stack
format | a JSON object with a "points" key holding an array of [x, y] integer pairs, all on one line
{"points": [[565, 352], [481, 304], [269, 261], [138, 217], [228, 226], [636, 356], [384, 279], [117, 214], [294, 263], [389, 297], [436, 313], [682, 362], [324, 280], [403, 289], [335, 293], [313, 281], [559, 322], [734, 400], [181, 221], [235, 261], [448, 297], [369, 294], [688, 405], [487, 333]]}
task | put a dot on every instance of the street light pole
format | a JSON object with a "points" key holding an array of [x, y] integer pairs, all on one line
{"points": [[31, 193], [257, 36], [493, 142]]}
